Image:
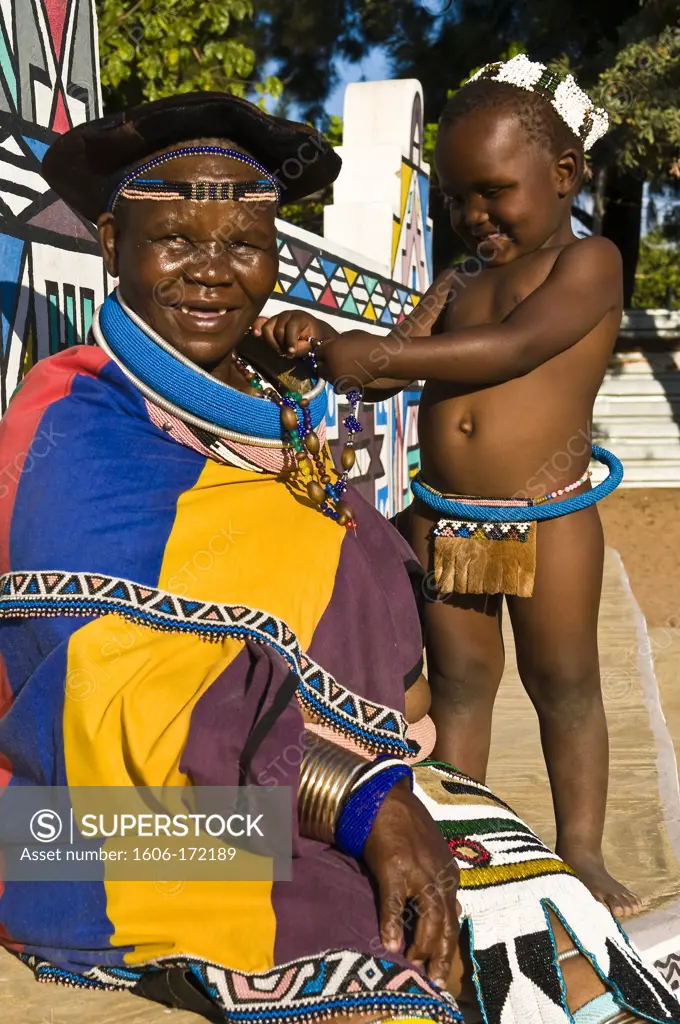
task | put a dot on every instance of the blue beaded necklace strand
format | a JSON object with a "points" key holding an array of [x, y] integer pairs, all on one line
{"points": [[231, 154], [180, 387]]}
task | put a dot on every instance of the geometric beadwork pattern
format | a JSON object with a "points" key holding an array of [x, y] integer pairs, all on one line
{"points": [[669, 969], [304, 990], [308, 276], [50, 594], [52, 276], [509, 880], [470, 529]]}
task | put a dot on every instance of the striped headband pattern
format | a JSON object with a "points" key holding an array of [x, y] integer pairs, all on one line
{"points": [[133, 186]]}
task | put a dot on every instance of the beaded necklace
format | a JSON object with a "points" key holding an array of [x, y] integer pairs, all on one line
{"points": [[296, 421]]}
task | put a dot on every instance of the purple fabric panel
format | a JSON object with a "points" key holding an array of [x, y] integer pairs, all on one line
{"points": [[330, 902], [369, 638]]}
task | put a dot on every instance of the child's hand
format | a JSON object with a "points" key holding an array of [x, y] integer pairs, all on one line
{"points": [[290, 333]]}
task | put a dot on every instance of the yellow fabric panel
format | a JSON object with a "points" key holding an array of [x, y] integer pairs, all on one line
{"points": [[130, 695], [237, 538], [248, 543]]}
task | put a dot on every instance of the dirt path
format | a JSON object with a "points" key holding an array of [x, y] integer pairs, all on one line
{"points": [[644, 527]]}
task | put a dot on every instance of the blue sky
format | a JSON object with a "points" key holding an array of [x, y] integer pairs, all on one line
{"points": [[373, 68]]}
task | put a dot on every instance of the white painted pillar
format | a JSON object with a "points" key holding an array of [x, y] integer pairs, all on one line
{"points": [[380, 199]]}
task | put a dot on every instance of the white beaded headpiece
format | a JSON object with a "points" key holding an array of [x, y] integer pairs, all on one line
{"points": [[573, 105]]}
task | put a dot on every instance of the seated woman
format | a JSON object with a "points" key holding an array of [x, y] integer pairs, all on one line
{"points": [[186, 497]]}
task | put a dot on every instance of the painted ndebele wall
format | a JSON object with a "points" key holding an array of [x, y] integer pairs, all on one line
{"points": [[379, 210], [51, 276]]}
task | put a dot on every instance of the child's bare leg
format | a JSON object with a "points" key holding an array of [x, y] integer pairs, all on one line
{"points": [[556, 639], [465, 660]]}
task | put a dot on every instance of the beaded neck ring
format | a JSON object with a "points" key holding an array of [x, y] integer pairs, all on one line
{"points": [[304, 442], [133, 187]]}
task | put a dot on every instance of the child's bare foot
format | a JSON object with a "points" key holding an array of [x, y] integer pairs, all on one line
{"points": [[591, 870]]}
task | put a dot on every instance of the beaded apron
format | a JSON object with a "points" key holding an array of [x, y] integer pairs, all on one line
{"points": [[478, 556]]}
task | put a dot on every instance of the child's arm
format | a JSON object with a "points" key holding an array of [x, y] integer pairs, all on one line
{"points": [[291, 330], [582, 287]]}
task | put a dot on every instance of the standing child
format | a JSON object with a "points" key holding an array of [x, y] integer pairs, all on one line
{"points": [[513, 353]]}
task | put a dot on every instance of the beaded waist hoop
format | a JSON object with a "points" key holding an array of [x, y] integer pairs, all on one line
{"points": [[488, 545]]}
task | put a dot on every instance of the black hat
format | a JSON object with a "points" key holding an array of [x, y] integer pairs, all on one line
{"points": [[84, 165]]}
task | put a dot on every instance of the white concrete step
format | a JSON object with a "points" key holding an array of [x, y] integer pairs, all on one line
{"points": [[642, 384], [634, 405], [645, 473], [649, 428], [638, 450]]}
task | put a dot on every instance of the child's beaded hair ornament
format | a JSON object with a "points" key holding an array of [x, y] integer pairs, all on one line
{"points": [[572, 104]]}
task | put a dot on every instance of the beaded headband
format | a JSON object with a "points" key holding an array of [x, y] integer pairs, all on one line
{"points": [[572, 104], [133, 186]]}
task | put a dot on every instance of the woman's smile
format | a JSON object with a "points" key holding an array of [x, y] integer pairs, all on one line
{"points": [[205, 318]]}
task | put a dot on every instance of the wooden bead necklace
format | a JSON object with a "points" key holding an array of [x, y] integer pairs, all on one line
{"points": [[304, 442]]}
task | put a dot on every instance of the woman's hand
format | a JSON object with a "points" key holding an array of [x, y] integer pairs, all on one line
{"points": [[410, 860], [289, 333]]}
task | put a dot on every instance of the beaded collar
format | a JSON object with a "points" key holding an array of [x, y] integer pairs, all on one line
{"points": [[180, 387], [177, 386]]}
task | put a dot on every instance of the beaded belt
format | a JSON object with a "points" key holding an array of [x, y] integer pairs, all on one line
{"points": [[524, 513]]}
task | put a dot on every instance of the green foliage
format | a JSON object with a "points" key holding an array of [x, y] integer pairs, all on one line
{"points": [[658, 273], [154, 48], [641, 92]]}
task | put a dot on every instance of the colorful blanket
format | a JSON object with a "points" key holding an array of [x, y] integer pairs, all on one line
{"points": [[123, 552]]}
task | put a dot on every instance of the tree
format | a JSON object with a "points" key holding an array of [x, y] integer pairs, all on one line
{"points": [[154, 48], [303, 39], [657, 279]]}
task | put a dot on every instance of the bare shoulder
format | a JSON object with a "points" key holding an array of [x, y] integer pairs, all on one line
{"points": [[594, 254]]}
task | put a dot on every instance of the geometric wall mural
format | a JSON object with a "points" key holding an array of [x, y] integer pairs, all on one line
{"points": [[51, 277], [412, 230], [311, 276]]}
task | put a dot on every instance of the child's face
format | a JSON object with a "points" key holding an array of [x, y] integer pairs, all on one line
{"points": [[507, 195]]}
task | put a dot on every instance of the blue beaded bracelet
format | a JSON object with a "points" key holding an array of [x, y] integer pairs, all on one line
{"points": [[365, 800]]}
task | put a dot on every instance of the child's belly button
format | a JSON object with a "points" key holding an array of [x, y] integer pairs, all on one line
{"points": [[466, 426]]}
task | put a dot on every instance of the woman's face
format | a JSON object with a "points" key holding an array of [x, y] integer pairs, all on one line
{"points": [[197, 272]]}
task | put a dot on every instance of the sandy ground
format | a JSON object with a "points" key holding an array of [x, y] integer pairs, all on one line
{"points": [[644, 527]]}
